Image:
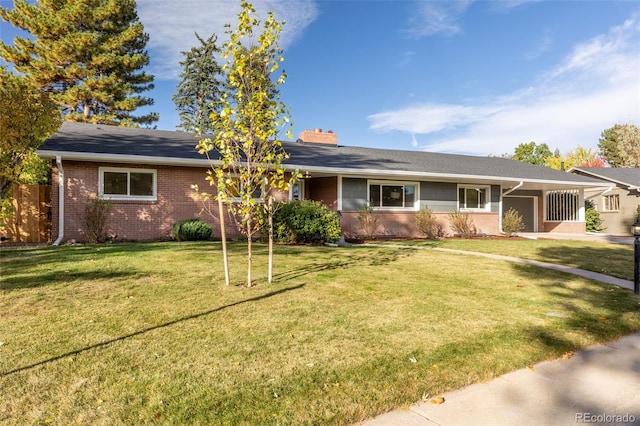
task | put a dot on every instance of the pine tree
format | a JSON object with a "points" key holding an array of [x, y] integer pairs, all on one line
{"points": [[199, 88], [87, 53]]}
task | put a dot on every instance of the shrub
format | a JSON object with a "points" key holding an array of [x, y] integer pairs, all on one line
{"points": [[305, 221], [192, 230], [462, 224], [592, 217], [428, 225], [368, 220], [512, 222], [96, 213]]}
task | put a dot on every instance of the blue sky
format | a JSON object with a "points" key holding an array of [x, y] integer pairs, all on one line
{"points": [[472, 77]]}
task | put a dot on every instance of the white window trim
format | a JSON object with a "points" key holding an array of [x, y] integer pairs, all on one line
{"points": [[580, 212], [487, 204], [119, 197], [300, 184], [260, 199], [416, 201], [604, 203]]}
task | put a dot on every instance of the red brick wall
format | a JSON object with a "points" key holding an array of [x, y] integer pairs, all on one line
{"points": [[323, 189], [565, 227], [402, 224], [136, 220]]}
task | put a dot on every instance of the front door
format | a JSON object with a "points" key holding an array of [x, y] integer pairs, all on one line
{"points": [[525, 206]]}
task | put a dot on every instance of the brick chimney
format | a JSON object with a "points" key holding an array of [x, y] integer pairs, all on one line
{"points": [[318, 136]]}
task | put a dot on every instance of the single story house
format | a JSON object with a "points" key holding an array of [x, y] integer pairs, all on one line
{"points": [[148, 176], [617, 204]]}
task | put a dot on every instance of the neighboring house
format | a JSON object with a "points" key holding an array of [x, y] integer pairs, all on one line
{"points": [[148, 176], [617, 205]]}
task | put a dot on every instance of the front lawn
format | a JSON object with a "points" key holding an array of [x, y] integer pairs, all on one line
{"points": [[149, 334], [606, 258]]}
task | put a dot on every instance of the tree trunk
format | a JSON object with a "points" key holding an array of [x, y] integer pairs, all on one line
{"points": [[223, 235], [270, 218], [249, 252]]}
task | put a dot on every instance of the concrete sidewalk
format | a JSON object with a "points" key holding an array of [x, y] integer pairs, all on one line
{"points": [[599, 385]]}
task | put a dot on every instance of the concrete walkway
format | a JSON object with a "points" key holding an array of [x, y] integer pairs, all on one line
{"points": [[569, 270], [599, 385]]}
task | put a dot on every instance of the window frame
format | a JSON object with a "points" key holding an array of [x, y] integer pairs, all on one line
{"points": [[236, 176], [300, 185], [487, 202], [606, 205], [381, 183], [128, 171]]}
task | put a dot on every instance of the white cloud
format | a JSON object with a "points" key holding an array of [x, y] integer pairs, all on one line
{"points": [[543, 46], [171, 25], [437, 17], [596, 86]]}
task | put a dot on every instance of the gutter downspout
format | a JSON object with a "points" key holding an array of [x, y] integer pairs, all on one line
{"points": [[509, 191], [60, 201]]}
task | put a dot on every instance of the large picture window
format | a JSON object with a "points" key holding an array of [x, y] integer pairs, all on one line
{"points": [[128, 184], [473, 198], [392, 195]]}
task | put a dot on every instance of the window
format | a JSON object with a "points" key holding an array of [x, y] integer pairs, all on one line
{"points": [[393, 195], [127, 184], [611, 203], [562, 206], [473, 198], [296, 191], [234, 186]]}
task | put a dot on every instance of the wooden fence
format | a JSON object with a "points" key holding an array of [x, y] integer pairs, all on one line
{"points": [[31, 222]]}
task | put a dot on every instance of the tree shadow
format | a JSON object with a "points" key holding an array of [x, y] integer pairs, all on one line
{"points": [[149, 329], [13, 262], [616, 261], [369, 258]]}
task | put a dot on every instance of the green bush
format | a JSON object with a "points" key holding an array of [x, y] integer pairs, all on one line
{"points": [[192, 230], [592, 217], [429, 225], [512, 222], [305, 221]]}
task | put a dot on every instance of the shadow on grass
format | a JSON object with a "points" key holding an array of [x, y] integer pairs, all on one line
{"points": [[370, 258], [616, 261], [603, 311], [55, 277], [14, 262], [149, 329]]}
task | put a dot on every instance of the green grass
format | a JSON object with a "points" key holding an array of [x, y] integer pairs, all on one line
{"points": [[148, 333], [606, 258]]}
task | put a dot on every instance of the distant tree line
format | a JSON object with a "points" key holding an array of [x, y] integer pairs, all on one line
{"points": [[618, 146]]}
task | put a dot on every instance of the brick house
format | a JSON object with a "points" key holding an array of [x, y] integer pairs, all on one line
{"points": [[617, 204], [148, 176]]}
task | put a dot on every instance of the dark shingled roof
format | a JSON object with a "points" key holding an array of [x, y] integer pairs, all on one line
{"points": [[629, 176], [109, 143]]}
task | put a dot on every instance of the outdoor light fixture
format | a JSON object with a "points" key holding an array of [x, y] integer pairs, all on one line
{"points": [[635, 230]]}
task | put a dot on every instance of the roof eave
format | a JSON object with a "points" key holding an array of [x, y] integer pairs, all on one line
{"points": [[629, 186], [126, 159], [190, 162]]}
